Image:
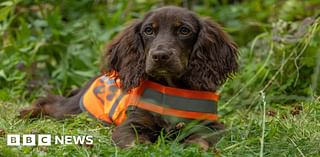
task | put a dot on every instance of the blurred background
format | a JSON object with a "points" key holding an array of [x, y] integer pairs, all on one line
{"points": [[55, 46]]}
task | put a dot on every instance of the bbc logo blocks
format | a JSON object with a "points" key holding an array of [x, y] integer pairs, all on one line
{"points": [[29, 140], [46, 140], [13, 140]]}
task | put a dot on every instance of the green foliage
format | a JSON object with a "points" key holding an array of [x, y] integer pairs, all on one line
{"points": [[285, 135], [56, 45], [283, 63]]}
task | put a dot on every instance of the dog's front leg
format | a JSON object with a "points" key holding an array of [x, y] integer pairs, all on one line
{"points": [[127, 136], [206, 138], [140, 127]]}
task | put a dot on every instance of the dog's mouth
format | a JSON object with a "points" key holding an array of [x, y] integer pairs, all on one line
{"points": [[164, 71], [165, 77], [161, 73], [165, 74]]}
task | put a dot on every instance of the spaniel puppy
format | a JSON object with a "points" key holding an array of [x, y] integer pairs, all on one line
{"points": [[170, 46]]}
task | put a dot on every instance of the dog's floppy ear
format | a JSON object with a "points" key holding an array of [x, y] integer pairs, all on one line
{"points": [[125, 55], [213, 59]]}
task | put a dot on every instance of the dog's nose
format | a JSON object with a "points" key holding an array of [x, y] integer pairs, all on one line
{"points": [[161, 56]]}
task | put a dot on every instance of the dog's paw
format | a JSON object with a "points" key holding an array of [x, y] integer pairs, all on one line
{"points": [[29, 112], [202, 143]]}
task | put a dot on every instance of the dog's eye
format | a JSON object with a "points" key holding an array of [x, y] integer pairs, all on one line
{"points": [[148, 30], [184, 30]]}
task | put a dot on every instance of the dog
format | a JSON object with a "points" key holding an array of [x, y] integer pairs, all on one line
{"points": [[164, 71]]}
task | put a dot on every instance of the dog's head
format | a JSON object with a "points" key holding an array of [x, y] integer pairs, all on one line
{"points": [[172, 45], [168, 35]]}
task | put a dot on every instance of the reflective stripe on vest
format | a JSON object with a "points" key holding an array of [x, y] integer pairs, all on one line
{"points": [[105, 101]]}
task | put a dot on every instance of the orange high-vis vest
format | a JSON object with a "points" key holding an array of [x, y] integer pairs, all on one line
{"points": [[105, 101]]}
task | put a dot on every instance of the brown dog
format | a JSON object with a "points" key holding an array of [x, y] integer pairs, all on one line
{"points": [[170, 46]]}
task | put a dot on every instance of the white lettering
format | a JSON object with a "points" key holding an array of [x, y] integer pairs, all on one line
{"points": [[89, 140], [58, 140], [79, 139], [67, 139]]}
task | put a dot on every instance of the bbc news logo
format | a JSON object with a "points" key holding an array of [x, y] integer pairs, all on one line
{"points": [[46, 140]]}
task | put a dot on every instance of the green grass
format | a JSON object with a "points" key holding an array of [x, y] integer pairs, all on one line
{"points": [[271, 107], [285, 134]]}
